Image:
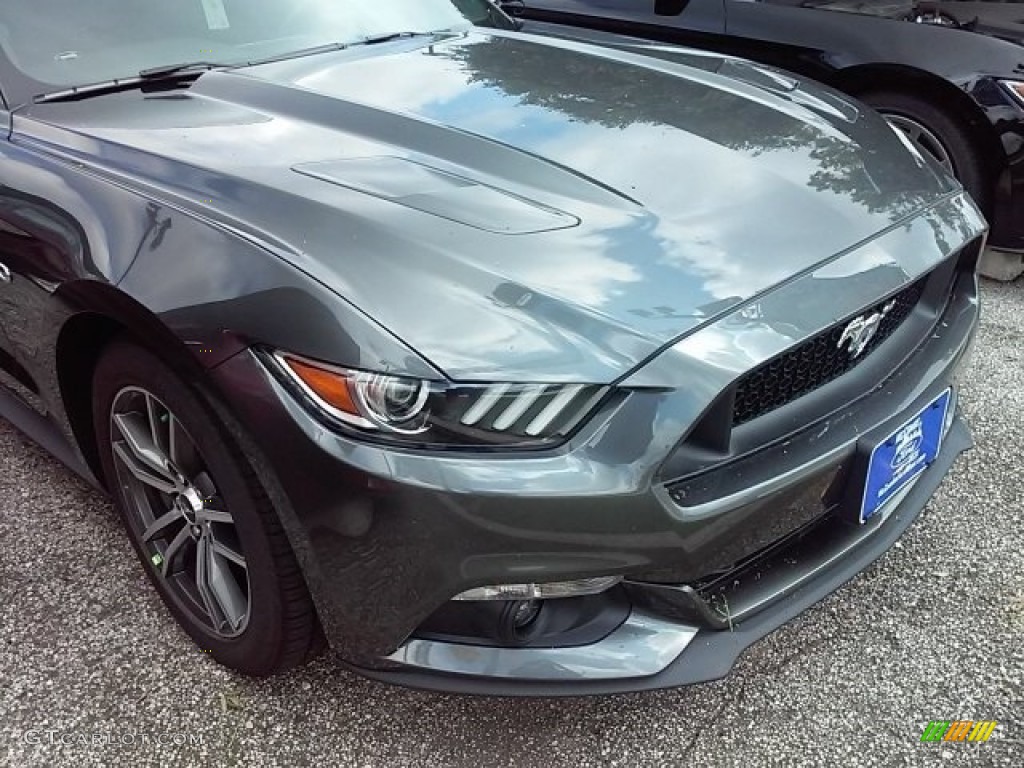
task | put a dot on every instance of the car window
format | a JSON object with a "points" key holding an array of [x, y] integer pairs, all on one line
{"points": [[72, 42]]}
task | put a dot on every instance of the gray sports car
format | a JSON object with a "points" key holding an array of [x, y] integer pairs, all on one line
{"points": [[501, 363]]}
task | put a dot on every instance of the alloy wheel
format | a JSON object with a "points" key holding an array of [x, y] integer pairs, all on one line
{"points": [[922, 138], [176, 513]]}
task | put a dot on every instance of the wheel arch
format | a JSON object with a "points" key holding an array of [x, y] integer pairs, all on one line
{"points": [[105, 315], [957, 104]]}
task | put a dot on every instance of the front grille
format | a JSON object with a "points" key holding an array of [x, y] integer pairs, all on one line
{"points": [[816, 361]]}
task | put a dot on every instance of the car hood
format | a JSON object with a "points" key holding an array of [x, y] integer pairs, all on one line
{"points": [[514, 206]]}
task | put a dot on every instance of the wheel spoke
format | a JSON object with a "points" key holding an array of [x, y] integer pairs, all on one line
{"points": [[174, 550], [203, 581], [161, 526], [180, 447], [155, 430], [173, 441], [226, 591], [141, 472], [226, 551], [217, 586], [141, 443], [215, 516]]}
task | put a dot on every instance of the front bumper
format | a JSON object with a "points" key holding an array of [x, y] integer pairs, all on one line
{"points": [[682, 653], [387, 537]]}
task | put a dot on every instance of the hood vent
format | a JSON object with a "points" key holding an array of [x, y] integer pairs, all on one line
{"points": [[440, 193]]}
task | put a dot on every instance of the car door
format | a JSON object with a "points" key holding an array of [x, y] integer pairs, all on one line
{"points": [[688, 22], [38, 239], [32, 235], [13, 375]]}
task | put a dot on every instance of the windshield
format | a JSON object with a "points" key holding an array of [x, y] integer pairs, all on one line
{"points": [[74, 42]]}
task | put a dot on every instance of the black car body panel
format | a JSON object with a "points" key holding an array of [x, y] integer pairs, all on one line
{"points": [[483, 208], [845, 45]]}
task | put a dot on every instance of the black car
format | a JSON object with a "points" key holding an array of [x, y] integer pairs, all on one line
{"points": [[388, 325], [948, 74]]}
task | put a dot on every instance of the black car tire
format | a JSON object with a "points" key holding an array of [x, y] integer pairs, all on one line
{"points": [[968, 166], [281, 630]]}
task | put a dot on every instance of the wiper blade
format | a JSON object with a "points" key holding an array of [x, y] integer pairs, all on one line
{"points": [[330, 47], [188, 68], [301, 52], [167, 73], [399, 35]]}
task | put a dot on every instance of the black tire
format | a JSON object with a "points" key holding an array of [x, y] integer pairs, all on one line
{"points": [[966, 158], [281, 629]]}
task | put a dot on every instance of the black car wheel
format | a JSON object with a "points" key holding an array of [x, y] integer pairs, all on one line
{"points": [[938, 135], [198, 517]]}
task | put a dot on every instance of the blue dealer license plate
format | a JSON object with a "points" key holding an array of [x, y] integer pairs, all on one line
{"points": [[904, 455]]}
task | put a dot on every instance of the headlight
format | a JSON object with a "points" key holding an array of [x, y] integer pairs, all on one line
{"points": [[1016, 87], [413, 411], [391, 402]]}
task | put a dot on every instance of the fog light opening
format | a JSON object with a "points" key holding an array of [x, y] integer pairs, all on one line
{"points": [[525, 612], [520, 620]]}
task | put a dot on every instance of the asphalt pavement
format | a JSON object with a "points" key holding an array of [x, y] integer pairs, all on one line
{"points": [[93, 672]]}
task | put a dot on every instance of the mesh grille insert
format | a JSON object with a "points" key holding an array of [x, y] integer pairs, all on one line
{"points": [[817, 361]]}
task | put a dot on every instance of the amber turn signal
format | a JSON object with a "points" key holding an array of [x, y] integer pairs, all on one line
{"points": [[329, 386]]}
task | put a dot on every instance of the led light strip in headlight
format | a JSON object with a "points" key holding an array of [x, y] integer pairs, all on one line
{"points": [[438, 413], [506, 405]]}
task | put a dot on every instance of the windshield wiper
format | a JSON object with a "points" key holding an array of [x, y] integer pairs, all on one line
{"points": [[298, 54], [188, 68], [399, 35], [193, 69], [331, 47], [168, 73]]}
